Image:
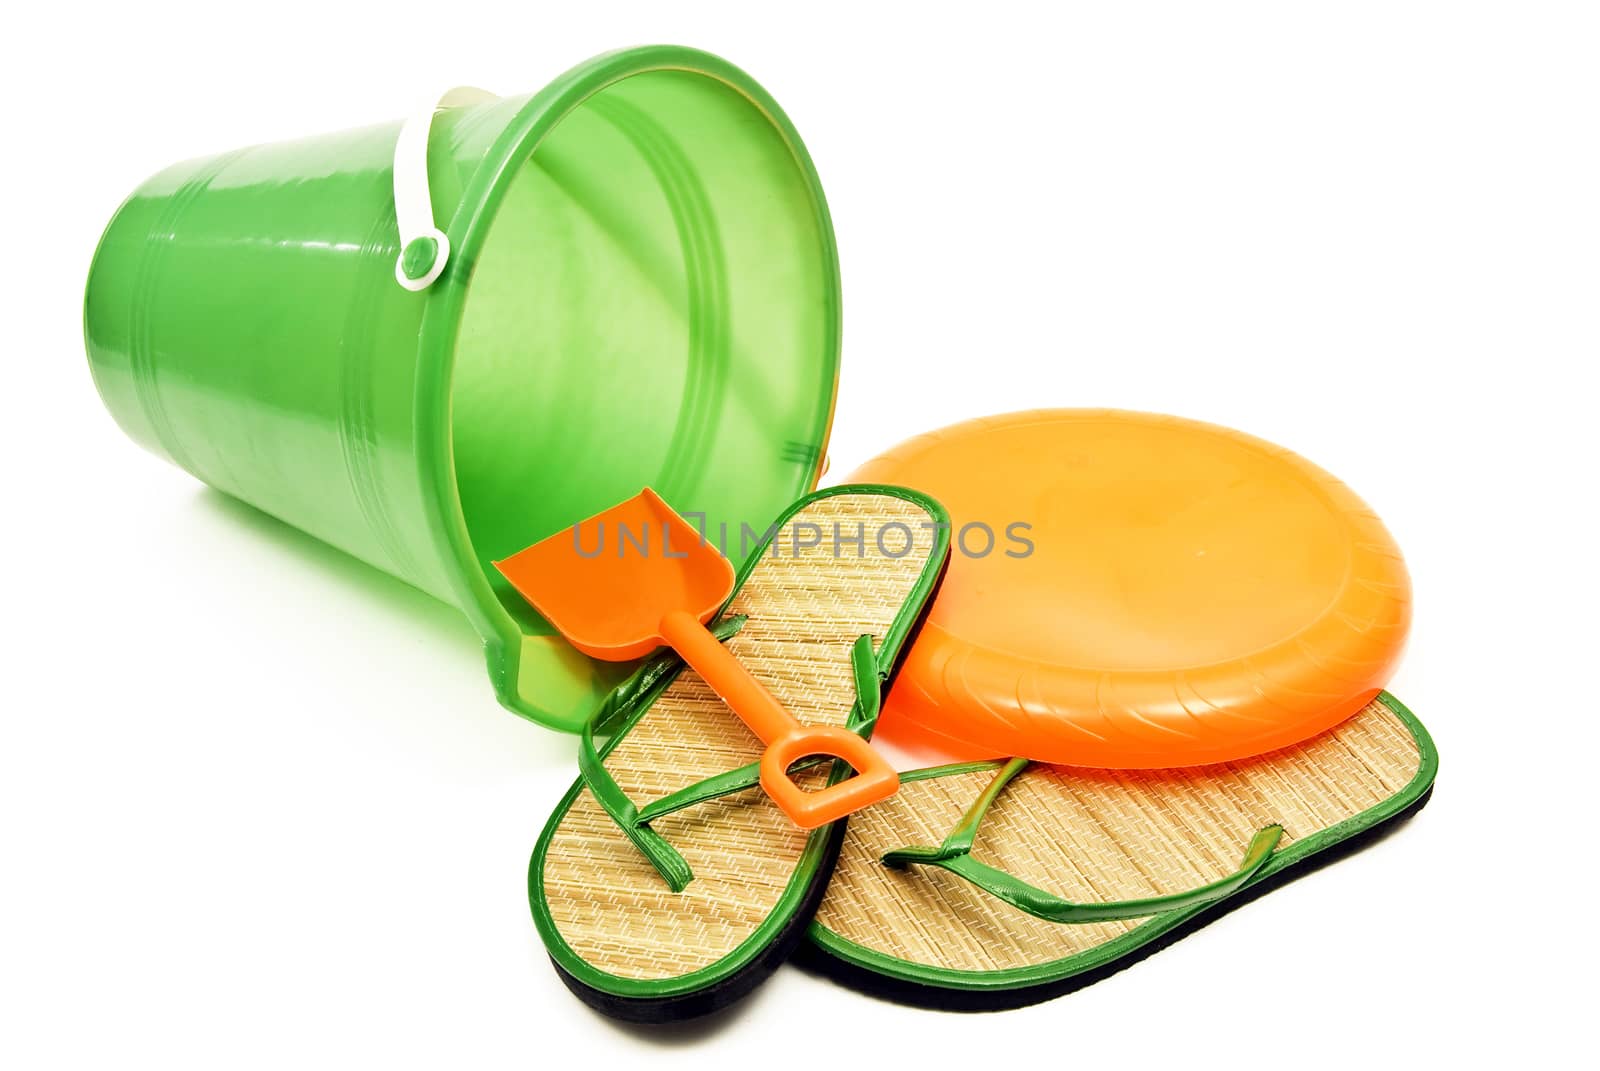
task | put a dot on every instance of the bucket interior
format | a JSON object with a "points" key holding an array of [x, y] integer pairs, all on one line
{"points": [[652, 306]]}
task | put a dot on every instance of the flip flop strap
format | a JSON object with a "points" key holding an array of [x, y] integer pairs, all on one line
{"points": [[954, 856], [621, 703], [635, 821], [863, 718]]}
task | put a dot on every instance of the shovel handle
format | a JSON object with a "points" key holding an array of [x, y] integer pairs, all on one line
{"points": [[787, 739]]}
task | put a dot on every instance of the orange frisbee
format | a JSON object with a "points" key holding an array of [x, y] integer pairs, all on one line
{"points": [[1128, 590]]}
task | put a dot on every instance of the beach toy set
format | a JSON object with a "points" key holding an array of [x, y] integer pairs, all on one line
{"points": [[567, 361]]}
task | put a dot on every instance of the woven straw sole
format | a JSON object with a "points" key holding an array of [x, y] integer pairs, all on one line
{"points": [[1096, 835], [603, 910]]}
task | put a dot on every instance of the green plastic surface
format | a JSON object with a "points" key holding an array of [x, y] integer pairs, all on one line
{"points": [[642, 290], [418, 256]]}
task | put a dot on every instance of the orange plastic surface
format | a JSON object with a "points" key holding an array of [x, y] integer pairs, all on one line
{"points": [[1192, 594], [606, 582], [636, 576]]}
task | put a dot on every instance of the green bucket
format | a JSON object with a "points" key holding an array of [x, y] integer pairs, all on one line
{"points": [[632, 282]]}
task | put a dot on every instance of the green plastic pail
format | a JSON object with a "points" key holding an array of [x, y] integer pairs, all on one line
{"points": [[631, 281]]}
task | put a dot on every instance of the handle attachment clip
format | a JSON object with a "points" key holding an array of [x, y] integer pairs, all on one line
{"points": [[424, 247]]}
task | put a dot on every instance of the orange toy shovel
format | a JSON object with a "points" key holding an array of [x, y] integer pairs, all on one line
{"points": [[637, 576]]}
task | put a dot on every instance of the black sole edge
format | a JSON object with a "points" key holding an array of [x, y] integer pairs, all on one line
{"points": [[730, 990], [901, 991]]}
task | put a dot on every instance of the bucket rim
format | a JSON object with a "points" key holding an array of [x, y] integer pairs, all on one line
{"points": [[467, 230]]}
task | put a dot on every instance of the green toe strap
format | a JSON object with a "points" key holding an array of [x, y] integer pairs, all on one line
{"points": [[863, 717], [954, 855], [635, 821]]}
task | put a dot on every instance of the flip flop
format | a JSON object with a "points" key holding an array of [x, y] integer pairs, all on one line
{"points": [[667, 884], [991, 885]]}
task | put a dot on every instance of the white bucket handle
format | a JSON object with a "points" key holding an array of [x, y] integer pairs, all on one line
{"points": [[424, 248]]}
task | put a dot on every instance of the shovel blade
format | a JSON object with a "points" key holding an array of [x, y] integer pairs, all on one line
{"points": [[606, 582]]}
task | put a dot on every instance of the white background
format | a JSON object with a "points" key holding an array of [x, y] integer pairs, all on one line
{"points": [[257, 803]]}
